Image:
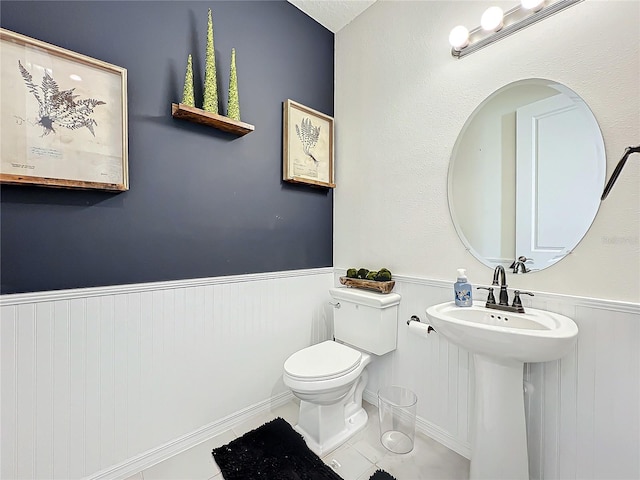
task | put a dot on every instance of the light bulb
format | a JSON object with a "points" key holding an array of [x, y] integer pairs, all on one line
{"points": [[534, 5], [459, 37], [492, 19]]}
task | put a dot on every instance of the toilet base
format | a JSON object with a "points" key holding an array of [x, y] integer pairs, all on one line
{"points": [[323, 437], [332, 414]]}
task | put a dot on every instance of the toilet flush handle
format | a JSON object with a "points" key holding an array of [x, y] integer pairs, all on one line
{"points": [[337, 305]]}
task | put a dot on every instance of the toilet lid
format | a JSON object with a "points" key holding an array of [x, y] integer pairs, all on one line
{"points": [[322, 361]]}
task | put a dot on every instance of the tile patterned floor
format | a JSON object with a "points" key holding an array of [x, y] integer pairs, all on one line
{"points": [[362, 455]]}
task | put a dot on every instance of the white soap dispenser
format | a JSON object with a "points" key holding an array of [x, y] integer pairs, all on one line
{"points": [[462, 289]]}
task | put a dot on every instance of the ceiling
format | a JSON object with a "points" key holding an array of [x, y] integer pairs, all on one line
{"points": [[333, 14]]}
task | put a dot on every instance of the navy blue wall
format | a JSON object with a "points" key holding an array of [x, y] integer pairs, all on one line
{"points": [[201, 202]]}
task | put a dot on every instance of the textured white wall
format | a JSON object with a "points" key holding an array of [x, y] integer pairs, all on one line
{"points": [[401, 99]]}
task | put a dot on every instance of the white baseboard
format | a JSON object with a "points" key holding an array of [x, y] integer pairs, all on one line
{"points": [[430, 430], [163, 452]]}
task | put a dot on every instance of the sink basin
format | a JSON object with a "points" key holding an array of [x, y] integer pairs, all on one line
{"points": [[534, 336], [501, 343]]}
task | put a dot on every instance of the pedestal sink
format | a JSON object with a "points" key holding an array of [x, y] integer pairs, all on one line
{"points": [[501, 342]]}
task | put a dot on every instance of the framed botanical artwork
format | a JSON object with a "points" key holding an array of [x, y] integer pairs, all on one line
{"points": [[63, 117], [308, 146]]}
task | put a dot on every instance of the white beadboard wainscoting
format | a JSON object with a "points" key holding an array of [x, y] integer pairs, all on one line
{"points": [[103, 382], [583, 411]]}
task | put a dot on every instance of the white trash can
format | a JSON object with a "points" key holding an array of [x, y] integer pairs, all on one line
{"points": [[397, 414]]}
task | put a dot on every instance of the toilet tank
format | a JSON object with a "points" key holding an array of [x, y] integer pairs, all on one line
{"points": [[365, 319]]}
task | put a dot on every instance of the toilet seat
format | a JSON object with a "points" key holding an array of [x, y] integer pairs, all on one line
{"points": [[323, 361]]}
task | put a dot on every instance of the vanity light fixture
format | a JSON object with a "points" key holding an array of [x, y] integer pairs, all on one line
{"points": [[495, 25]]}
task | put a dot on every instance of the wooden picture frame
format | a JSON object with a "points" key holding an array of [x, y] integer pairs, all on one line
{"points": [[63, 116], [307, 146]]}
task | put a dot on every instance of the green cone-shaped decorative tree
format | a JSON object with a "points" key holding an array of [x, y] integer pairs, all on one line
{"points": [[210, 103], [187, 94], [233, 111]]}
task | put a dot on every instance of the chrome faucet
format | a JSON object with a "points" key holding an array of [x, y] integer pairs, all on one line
{"points": [[503, 304]]}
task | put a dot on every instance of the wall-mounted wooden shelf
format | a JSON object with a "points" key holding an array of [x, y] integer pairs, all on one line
{"points": [[197, 115]]}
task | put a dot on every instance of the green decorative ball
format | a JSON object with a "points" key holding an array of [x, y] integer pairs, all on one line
{"points": [[383, 275], [362, 273]]}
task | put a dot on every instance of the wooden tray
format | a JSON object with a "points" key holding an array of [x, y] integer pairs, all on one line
{"points": [[382, 287]]}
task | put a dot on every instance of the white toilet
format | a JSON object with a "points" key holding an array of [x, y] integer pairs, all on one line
{"points": [[329, 377]]}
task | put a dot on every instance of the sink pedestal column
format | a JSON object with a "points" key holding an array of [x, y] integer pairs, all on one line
{"points": [[499, 433]]}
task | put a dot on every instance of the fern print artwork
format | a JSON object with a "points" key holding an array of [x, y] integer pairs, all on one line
{"points": [[308, 135], [308, 155], [63, 116], [59, 108]]}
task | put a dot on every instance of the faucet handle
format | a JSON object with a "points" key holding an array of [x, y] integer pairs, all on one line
{"points": [[491, 300], [516, 297]]}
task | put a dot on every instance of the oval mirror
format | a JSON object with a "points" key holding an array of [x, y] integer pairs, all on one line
{"points": [[526, 175]]}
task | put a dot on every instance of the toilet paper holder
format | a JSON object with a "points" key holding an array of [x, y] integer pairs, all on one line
{"points": [[415, 318]]}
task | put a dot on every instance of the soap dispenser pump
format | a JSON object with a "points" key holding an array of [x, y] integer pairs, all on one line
{"points": [[462, 290]]}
